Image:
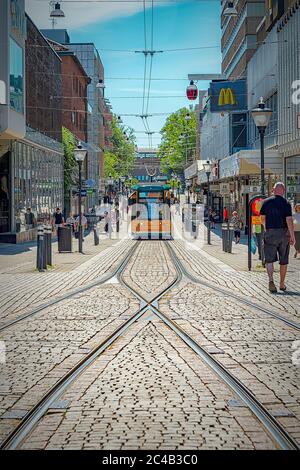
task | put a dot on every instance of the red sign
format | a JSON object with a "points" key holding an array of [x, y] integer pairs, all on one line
{"points": [[256, 205]]}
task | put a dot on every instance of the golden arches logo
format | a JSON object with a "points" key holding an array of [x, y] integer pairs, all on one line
{"points": [[226, 97]]}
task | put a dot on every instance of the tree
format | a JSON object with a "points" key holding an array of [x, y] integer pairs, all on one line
{"points": [[120, 160], [70, 165], [173, 151]]}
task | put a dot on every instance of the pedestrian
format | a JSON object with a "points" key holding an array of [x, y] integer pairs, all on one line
{"points": [[71, 222], [237, 226], [211, 218], [107, 223], [83, 223], [296, 220], [117, 215], [259, 240], [225, 214], [57, 219], [276, 213], [29, 219], [18, 222]]}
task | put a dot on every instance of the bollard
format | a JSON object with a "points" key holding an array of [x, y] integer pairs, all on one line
{"points": [[230, 238], [48, 238], [96, 235], [40, 250], [224, 237]]}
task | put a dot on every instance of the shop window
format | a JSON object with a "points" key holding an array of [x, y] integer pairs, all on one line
{"points": [[16, 76]]}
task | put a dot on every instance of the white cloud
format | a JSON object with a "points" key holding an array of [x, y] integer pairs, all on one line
{"points": [[79, 15]]}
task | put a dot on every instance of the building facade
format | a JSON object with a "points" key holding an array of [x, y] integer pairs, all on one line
{"points": [[90, 60], [147, 166], [288, 30], [239, 36], [12, 107], [31, 154]]}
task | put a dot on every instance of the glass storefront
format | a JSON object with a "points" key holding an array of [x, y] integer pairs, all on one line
{"points": [[16, 76], [38, 183], [292, 175]]}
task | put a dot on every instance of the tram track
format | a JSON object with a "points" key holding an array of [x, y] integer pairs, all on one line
{"points": [[229, 293], [269, 423], [71, 293]]}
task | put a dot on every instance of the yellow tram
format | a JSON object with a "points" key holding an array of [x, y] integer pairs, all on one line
{"points": [[149, 211]]}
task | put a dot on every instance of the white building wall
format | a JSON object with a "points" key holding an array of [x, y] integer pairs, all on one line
{"points": [[214, 136], [289, 71]]}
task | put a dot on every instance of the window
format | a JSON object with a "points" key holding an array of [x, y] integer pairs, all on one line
{"points": [[16, 76]]}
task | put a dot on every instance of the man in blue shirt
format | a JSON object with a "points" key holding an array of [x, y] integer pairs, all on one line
{"points": [[279, 234]]}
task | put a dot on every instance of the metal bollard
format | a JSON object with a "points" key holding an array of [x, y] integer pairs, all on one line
{"points": [[40, 261], [48, 244], [96, 235]]}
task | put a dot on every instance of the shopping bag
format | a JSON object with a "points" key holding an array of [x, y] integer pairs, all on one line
{"points": [[253, 246]]}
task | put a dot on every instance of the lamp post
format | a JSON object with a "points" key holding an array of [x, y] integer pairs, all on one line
{"points": [[80, 155], [261, 117], [207, 168]]}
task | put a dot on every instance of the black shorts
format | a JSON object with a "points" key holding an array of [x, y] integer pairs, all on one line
{"points": [[277, 246], [237, 234]]}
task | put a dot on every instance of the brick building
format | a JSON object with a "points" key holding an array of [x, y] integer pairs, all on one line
{"points": [[90, 60]]}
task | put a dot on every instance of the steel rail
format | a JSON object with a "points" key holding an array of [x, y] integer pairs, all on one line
{"points": [[70, 293], [272, 426], [278, 433], [229, 293], [29, 421]]}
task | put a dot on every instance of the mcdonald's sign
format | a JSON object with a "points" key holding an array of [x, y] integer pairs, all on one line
{"points": [[228, 96]]}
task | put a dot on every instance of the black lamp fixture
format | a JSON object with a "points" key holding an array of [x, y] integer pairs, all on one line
{"points": [[207, 166], [262, 116], [230, 10], [80, 154], [57, 12]]}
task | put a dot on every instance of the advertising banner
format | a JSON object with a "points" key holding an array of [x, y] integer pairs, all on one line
{"points": [[228, 96]]}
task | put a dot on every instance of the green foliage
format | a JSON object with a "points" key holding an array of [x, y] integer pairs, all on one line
{"points": [[172, 153], [70, 165], [120, 160]]}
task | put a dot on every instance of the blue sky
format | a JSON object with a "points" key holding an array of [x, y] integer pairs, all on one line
{"points": [[184, 24]]}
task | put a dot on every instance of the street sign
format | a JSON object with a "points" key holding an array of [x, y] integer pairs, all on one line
{"points": [[83, 193], [90, 183], [256, 220], [225, 188]]}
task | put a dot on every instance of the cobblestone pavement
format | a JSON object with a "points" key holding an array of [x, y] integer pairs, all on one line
{"points": [[255, 347], [150, 270], [43, 348], [148, 391], [252, 285], [20, 293]]}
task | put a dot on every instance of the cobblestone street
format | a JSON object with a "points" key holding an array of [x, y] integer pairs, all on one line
{"points": [[140, 356]]}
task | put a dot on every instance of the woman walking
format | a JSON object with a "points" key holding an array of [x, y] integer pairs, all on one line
{"points": [[237, 225], [296, 220]]}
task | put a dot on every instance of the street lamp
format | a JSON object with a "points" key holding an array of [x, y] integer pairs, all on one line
{"points": [[80, 155], [208, 168], [261, 117], [230, 11], [57, 12]]}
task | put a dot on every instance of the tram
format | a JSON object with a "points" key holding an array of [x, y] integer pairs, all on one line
{"points": [[149, 210]]}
